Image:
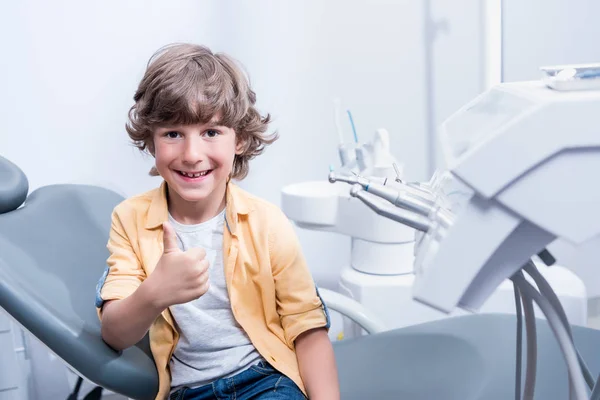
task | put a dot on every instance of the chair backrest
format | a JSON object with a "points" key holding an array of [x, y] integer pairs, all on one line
{"points": [[55, 246], [52, 254], [13, 186]]}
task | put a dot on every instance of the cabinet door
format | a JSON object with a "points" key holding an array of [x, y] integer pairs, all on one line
{"points": [[21, 344], [9, 371]]}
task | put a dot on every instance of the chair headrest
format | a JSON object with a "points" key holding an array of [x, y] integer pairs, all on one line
{"points": [[13, 186]]}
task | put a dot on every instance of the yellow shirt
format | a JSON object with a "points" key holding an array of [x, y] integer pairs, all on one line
{"points": [[272, 294]]}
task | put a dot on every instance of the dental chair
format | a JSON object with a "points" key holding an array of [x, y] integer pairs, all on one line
{"points": [[53, 251]]}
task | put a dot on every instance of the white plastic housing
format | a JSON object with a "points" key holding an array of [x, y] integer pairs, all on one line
{"points": [[529, 156]]}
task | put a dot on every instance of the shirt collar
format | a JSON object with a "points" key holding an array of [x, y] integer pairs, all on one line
{"points": [[236, 204]]}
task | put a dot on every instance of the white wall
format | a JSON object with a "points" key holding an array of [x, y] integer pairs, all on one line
{"points": [[70, 69], [74, 68], [300, 55], [457, 59], [68, 72], [539, 33]]}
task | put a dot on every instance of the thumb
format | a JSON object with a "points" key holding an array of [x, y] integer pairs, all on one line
{"points": [[169, 238]]}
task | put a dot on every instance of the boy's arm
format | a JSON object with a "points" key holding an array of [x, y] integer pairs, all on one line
{"points": [[125, 322], [317, 365], [298, 304], [303, 315], [128, 302], [125, 312]]}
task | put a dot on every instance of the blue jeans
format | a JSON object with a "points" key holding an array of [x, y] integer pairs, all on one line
{"points": [[259, 382]]}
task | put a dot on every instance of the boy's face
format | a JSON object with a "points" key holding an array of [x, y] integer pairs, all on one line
{"points": [[196, 160]]}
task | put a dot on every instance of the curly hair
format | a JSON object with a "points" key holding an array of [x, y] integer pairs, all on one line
{"points": [[189, 84]]}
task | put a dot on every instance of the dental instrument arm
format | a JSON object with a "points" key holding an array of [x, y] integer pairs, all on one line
{"points": [[401, 195], [408, 218], [401, 198]]}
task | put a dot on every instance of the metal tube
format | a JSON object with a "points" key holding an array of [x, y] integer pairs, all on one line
{"points": [[408, 218]]}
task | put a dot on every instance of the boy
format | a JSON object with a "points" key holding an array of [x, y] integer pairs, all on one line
{"points": [[215, 274]]}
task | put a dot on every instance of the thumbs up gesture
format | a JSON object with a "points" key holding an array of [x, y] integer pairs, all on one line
{"points": [[179, 276]]}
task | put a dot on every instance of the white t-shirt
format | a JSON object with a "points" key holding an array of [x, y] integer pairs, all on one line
{"points": [[212, 345]]}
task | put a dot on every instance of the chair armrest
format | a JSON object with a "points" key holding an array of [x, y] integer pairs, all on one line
{"points": [[353, 310]]}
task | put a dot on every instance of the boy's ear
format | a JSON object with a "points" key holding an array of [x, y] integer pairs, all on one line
{"points": [[240, 147], [150, 147]]}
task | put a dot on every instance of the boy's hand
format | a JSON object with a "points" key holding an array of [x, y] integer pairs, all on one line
{"points": [[179, 276]]}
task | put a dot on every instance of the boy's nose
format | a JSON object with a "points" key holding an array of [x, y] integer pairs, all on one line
{"points": [[192, 152]]}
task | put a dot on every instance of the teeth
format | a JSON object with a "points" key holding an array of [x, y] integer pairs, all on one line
{"points": [[194, 175]]}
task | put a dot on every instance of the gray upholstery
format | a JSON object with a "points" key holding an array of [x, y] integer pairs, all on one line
{"points": [[13, 186], [462, 358], [53, 251]]}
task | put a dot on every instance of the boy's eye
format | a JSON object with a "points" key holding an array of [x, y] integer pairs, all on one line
{"points": [[211, 133], [172, 134]]}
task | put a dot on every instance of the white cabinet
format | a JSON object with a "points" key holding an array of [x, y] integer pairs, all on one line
{"points": [[14, 368]]}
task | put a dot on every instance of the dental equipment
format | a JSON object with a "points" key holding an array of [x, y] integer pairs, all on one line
{"points": [[410, 198], [411, 219], [59, 233], [523, 156]]}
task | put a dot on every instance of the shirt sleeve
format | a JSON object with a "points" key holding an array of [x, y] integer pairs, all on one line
{"points": [[299, 304], [123, 273]]}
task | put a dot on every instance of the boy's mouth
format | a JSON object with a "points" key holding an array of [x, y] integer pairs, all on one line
{"points": [[194, 174]]}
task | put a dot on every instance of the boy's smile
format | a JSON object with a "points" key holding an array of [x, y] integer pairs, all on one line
{"points": [[192, 176], [195, 161]]}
